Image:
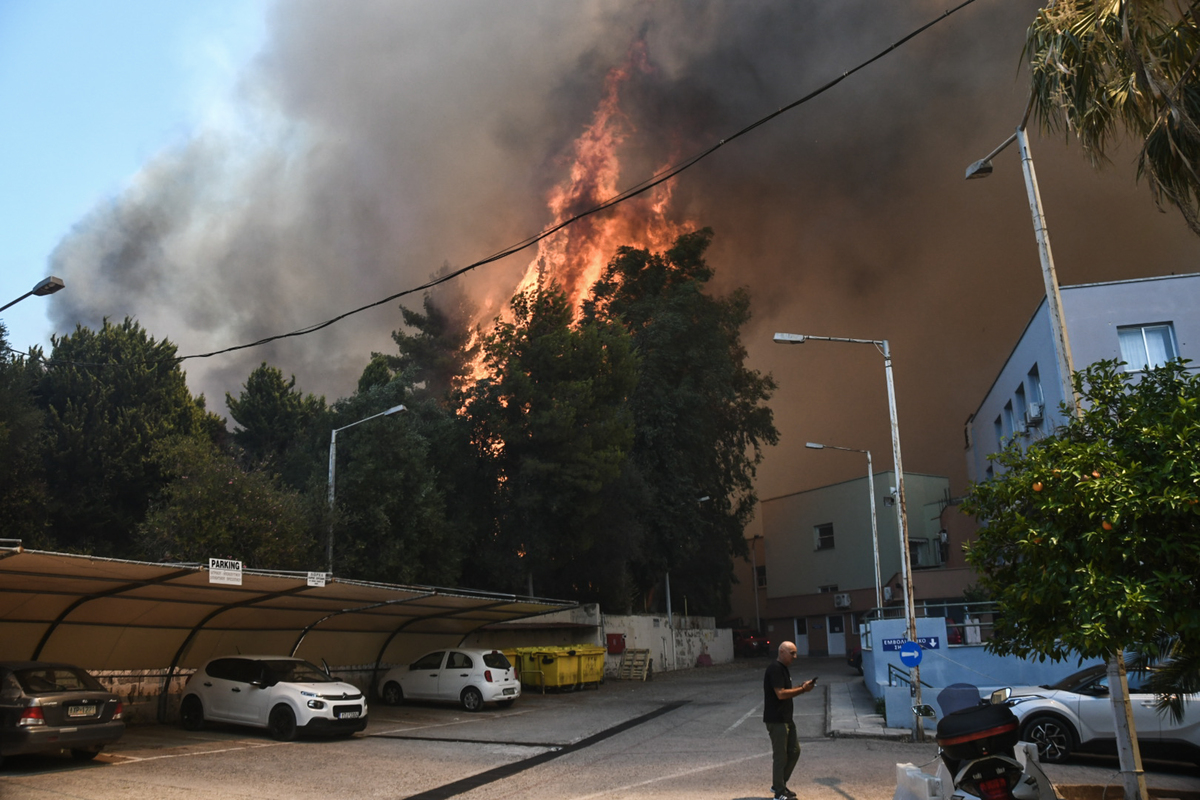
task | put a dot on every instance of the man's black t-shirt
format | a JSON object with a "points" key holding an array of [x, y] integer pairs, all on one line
{"points": [[774, 709]]}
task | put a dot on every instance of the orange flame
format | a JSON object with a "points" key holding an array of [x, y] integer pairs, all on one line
{"points": [[575, 257]]}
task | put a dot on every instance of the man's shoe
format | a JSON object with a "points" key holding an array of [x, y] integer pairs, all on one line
{"points": [[789, 793], [782, 796]]}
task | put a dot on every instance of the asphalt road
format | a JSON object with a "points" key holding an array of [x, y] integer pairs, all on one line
{"points": [[690, 735]]}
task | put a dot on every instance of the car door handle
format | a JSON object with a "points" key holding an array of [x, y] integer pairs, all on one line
{"points": [[463, 674], [237, 689], [209, 685]]}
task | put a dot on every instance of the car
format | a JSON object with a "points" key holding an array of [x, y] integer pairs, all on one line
{"points": [[455, 675], [747, 643], [286, 696], [49, 707], [1076, 715]]}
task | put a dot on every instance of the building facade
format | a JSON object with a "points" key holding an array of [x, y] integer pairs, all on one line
{"points": [[1142, 322], [819, 556]]}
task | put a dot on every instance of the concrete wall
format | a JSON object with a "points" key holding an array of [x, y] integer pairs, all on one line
{"points": [[692, 637]]}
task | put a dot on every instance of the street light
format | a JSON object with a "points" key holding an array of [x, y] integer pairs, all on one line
{"points": [[1130, 756], [1062, 345], [901, 511], [44, 287], [333, 463], [874, 526]]}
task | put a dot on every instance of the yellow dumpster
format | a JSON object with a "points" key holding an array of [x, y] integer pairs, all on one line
{"points": [[561, 667]]}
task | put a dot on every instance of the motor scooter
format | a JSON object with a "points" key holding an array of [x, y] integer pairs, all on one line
{"points": [[979, 753]]}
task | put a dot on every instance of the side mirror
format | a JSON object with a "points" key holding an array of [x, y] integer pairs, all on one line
{"points": [[925, 710], [1000, 696]]}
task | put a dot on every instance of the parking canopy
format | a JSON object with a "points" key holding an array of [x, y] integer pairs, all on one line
{"points": [[107, 614]]}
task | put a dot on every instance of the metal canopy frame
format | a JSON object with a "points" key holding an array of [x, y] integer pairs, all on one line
{"points": [[103, 613]]}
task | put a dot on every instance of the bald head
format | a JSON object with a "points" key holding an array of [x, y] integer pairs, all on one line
{"points": [[787, 653]]}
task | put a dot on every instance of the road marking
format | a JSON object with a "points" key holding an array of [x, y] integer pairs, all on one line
{"points": [[248, 746], [745, 717], [673, 776]]}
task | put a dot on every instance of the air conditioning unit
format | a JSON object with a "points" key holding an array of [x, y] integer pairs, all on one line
{"points": [[887, 594], [841, 600], [1033, 414]]}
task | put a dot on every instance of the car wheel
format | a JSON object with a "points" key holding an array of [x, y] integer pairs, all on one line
{"points": [[505, 703], [282, 724], [191, 713], [84, 755], [1054, 738], [392, 694], [472, 700]]}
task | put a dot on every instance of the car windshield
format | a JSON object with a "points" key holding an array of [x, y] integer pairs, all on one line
{"points": [[295, 672], [496, 660], [1075, 679], [47, 680]]}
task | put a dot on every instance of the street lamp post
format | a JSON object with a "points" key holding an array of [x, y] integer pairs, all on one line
{"points": [[332, 466], [901, 509], [874, 526], [1062, 345], [1127, 749], [44, 287]]}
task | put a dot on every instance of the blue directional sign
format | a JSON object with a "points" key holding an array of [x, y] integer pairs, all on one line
{"points": [[928, 642], [910, 654]]}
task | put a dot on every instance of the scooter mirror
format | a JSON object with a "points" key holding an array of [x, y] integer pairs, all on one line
{"points": [[1000, 696], [924, 711]]}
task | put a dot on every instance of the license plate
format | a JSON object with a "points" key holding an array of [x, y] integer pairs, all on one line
{"points": [[510, 691], [349, 714], [81, 711]]}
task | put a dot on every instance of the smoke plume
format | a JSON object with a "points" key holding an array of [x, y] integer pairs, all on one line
{"points": [[379, 141]]}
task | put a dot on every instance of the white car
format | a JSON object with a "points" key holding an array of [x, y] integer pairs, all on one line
{"points": [[470, 677], [1076, 715], [285, 695]]}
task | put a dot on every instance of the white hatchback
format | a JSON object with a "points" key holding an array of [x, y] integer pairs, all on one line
{"points": [[470, 677], [285, 695]]}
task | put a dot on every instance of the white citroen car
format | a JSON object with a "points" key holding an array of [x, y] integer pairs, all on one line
{"points": [[470, 677], [285, 695]]}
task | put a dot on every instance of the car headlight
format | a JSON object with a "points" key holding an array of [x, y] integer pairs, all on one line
{"points": [[1016, 701], [318, 704]]}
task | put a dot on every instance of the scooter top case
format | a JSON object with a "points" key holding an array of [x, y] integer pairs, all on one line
{"points": [[978, 731]]}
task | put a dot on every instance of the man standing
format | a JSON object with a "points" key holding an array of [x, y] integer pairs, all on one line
{"points": [[777, 714]]}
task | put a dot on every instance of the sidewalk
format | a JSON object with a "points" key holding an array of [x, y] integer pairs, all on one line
{"points": [[850, 713]]}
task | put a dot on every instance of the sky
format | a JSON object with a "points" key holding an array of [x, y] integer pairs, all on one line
{"points": [[230, 170]]}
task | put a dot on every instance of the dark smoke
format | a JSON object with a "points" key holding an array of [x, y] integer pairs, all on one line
{"points": [[381, 140]]}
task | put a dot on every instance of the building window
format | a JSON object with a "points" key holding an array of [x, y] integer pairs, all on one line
{"points": [[1020, 407], [1034, 379], [824, 536], [1010, 420], [828, 589], [760, 576], [801, 626], [999, 433], [1147, 346]]}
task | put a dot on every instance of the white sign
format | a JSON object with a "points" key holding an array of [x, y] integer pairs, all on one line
{"points": [[316, 579], [224, 570]]}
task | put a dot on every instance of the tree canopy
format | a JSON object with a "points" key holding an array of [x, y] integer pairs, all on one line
{"points": [[109, 396], [1100, 69], [1090, 537]]}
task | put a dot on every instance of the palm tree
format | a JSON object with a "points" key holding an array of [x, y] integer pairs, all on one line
{"points": [[1100, 68]]}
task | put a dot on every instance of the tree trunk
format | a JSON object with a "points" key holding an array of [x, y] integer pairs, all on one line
{"points": [[1132, 776]]}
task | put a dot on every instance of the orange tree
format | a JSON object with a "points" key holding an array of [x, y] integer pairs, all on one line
{"points": [[1089, 539]]}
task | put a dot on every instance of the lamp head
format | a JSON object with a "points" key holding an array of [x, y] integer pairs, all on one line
{"points": [[814, 446], [394, 409], [789, 338], [980, 169], [48, 286]]}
